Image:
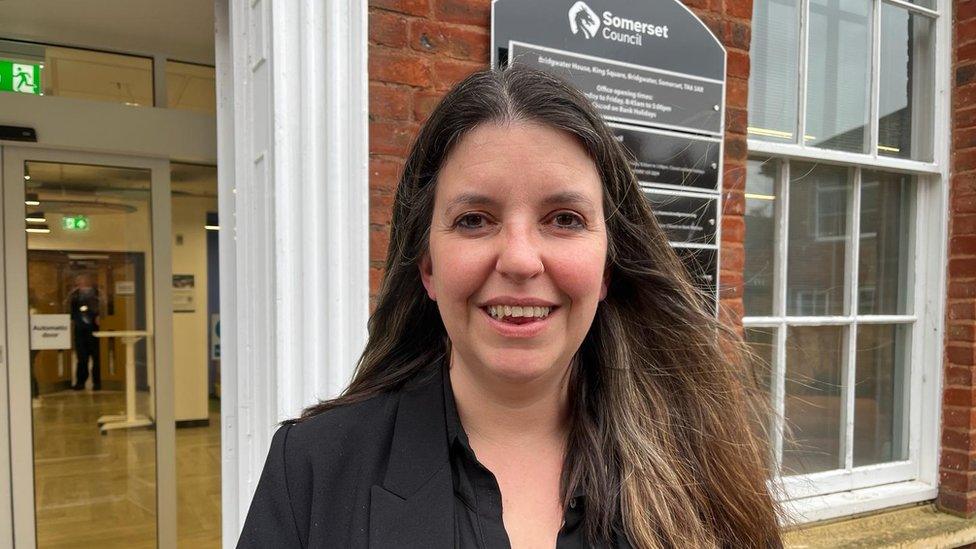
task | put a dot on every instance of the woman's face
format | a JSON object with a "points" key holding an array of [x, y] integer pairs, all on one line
{"points": [[518, 247]]}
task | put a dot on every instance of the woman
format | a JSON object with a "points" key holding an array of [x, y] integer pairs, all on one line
{"points": [[540, 372]]}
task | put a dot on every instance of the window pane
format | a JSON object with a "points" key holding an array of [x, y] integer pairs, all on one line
{"points": [[839, 74], [814, 356], [772, 82], [87, 74], [884, 247], [191, 87], [760, 237], [880, 431], [818, 230], [905, 124], [762, 343]]}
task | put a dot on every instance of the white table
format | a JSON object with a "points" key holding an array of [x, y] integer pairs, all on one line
{"points": [[130, 419]]}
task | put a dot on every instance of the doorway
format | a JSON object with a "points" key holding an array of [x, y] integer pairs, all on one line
{"points": [[89, 317]]}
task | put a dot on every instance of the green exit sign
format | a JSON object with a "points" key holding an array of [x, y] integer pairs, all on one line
{"points": [[20, 77], [75, 223]]}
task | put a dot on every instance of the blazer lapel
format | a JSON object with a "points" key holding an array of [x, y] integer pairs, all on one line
{"points": [[415, 505]]}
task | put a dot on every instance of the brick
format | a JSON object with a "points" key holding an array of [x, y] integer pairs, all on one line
{"points": [[964, 138], [733, 256], [961, 332], [957, 439], [965, 31], [959, 376], [730, 312], [964, 117], [387, 102], [730, 285], [962, 290], [959, 417], [424, 102], [733, 229], [388, 29], [739, 8], [375, 280], [738, 35], [962, 245], [397, 68], [468, 12], [736, 120], [961, 184], [448, 72], [451, 40], [410, 7], [965, 75], [384, 174], [962, 355], [963, 204], [733, 203], [957, 461], [964, 224], [737, 64], [964, 95], [734, 176], [736, 148], [958, 396], [959, 504], [390, 138], [964, 11], [380, 208], [736, 93], [379, 241], [957, 481], [962, 310]]}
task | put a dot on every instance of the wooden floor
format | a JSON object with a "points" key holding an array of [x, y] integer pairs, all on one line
{"points": [[94, 490]]}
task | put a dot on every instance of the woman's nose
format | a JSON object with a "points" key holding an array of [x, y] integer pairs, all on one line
{"points": [[520, 256]]}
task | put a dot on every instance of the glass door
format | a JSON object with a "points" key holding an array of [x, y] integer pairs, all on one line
{"points": [[89, 333]]}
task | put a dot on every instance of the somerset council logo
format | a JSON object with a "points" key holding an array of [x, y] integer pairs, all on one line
{"points": [[583, 19]]}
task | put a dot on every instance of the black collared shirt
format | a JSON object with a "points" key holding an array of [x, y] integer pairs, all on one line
{"points": [[478, 500]]}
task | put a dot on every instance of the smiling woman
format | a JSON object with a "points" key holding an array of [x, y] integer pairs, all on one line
{"points": [[540, 371]]}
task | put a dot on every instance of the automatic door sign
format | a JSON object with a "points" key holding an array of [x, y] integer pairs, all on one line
{"points": [[670, 158], [50, 332], [685, 218]]}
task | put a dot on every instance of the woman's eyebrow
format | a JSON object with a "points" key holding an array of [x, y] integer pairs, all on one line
{"points": [[568, 197], [471, 199]]}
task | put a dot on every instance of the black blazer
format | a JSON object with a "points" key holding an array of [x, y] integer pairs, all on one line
{"points": [[371, 474]]}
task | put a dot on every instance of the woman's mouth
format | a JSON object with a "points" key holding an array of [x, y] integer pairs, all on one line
{"points": [[518, 314]]}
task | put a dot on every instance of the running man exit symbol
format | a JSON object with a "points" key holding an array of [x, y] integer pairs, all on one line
{"points": [[24, 78], [20, 77]]}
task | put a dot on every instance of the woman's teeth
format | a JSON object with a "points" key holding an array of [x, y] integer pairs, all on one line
{"points": [[502, 311]]}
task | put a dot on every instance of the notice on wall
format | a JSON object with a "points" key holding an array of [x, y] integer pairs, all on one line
{"points": [[125, 287], [50, 332], [674, 159], [630, 93], [685, 218], [702, 265], [184, 290]]}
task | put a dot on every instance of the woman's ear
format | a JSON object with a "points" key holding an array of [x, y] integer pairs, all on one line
{"points": [[427, 275]]}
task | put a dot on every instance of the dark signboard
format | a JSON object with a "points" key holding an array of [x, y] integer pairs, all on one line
{"points": [[657, 73], [671, 158], [685, 218]]}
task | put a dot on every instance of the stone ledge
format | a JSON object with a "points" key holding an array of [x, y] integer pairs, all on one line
{"points": [[919, 526]]}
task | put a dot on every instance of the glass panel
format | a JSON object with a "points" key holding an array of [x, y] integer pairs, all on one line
{"points": [[87, 74], [762, 343], [760, 237], [819, 226], [196, 353], [773, 81], [191, 87], [814, 358], [839, 74], [89, 277], [906, 102], [880, 429], [883, 271]]}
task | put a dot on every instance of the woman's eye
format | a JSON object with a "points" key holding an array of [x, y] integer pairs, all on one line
{"points": [[567, 220], [471, 221]]}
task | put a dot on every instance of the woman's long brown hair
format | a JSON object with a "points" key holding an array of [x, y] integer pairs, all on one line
{"points": [[661, 440]]}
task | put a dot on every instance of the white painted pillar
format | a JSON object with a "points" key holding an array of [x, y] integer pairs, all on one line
{"points": [[293, 184]]}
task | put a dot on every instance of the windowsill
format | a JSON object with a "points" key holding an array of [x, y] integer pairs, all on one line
{"points": [[845, 504], [917, 526]]}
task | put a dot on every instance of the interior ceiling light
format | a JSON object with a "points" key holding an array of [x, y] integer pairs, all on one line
{"points": [[40, 229], [36, 217], [26, 178], [32, 200], [212, 227]]}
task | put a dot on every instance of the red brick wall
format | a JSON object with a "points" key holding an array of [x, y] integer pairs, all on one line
{"points": [[957, 468], [420, 48]]}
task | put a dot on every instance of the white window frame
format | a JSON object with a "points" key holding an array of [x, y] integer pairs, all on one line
{"points": [[853, 490]]}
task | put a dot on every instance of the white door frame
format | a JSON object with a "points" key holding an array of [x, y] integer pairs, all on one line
{"points": [[18, 400]]}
